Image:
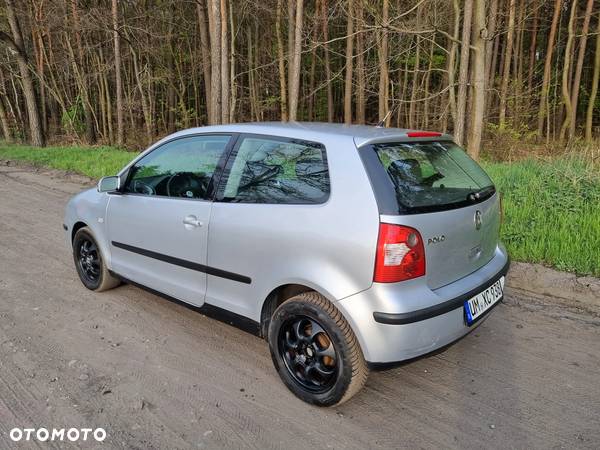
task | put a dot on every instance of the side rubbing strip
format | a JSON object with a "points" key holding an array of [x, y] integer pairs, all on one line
{"points": [[184, 263]]}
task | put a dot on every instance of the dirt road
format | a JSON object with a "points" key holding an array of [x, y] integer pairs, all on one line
{"points": [[155, 374]]}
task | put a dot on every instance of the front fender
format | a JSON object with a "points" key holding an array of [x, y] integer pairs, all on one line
{"points": [[89, 207]]}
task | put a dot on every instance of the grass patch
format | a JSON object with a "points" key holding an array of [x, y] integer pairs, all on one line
{"points": [[551, 212], [551, 208], [94, 162]]}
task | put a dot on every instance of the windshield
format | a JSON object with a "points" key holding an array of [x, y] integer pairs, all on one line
{"points": [[433, 175]]}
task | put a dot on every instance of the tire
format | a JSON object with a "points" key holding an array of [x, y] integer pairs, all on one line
{"points": [[89, 262], [302, 334]]}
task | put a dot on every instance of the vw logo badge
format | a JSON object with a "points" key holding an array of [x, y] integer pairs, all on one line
{"points": [[477, 220]]}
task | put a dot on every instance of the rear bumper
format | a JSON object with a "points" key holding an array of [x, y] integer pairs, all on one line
{"points": [[389, 326], [440, 309]]}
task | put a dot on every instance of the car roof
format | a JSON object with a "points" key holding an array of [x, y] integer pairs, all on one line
{"points": [[362, 134]]}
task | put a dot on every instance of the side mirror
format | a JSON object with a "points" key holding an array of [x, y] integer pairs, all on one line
{"points": [[109, 184]]}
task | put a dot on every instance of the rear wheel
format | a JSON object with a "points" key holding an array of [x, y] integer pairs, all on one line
{"points": [[89, 263], [315, 352]]}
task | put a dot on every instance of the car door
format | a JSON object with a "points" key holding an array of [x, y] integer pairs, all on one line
{"points": [[158, 224]]}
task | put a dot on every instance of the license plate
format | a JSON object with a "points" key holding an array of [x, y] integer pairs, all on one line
{"points": [[477, 306]]}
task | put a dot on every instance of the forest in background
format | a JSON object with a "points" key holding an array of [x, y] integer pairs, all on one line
{"points": [[124, 72]]}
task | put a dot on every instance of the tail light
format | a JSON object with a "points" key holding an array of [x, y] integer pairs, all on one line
{"points": [[400, 254]]}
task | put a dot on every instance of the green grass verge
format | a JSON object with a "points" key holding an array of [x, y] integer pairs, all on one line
{"points": [[94, 162], [551, 212], [551, 209]]}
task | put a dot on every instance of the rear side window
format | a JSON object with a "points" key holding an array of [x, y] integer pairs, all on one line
{"points": [[276, 170], [430, 176]]}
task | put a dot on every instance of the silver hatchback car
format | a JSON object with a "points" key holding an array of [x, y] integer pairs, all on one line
{"points": [[346, 247]]}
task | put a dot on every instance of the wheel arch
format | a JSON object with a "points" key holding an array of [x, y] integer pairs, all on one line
{"points": [[99, 235], [276, 297], [76, 227]]}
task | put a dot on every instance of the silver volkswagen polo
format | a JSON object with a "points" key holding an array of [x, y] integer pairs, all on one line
{"points": [[346, 247]]}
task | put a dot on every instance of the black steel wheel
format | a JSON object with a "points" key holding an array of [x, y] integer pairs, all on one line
{"points": [[308, 353], [315, 351], [89, 260], [89, 263]]}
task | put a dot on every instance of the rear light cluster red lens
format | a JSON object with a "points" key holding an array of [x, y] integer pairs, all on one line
{"points": [[400, 254]]}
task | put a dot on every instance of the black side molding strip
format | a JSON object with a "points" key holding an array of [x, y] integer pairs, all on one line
{"points": [[437, 310], [184, 263]]}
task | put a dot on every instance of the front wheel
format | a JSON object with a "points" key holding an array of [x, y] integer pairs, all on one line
{"points": [[89, 263], [315, 351]]}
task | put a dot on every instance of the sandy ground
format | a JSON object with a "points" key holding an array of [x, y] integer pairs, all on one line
{"points": [[155, 374]]}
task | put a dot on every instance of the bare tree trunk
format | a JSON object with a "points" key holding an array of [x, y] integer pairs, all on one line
{"points": [[361, 87], [426, 82], [479, 75], [506, 69], [232, 76], [290, 44], [566, 91], [206, 56], [224, 64], [491, 31], [17, 44], [313, 67], [412, 108], [214, 20], [254, 114], [402, 96], [143, 98], [171, 99], [451, 68], [579, 68], [553, 115], [37, 35], [532, 47], [221, 40], [543, 109], [78, 64], [255, 62], [518, 65], [324, 24], [281, 60], [107, 99], [118, 80], [295, 86], [459, 126], [594, 91], [492, 76], [384, 77], [349, 63], [4, 121], [3, 116]]}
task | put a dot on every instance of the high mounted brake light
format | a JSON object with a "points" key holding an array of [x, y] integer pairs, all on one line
{"points": [[400, 254], [419, 134]]}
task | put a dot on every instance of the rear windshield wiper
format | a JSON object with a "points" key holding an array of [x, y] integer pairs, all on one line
{"points": [[482, 194]]}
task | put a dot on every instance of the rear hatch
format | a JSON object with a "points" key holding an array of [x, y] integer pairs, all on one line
{"points": [[434, 187]]}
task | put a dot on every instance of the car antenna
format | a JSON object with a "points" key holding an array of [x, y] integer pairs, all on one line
{"points": [[381, 123]]}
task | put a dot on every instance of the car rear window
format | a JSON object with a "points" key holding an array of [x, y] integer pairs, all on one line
{"points": [[431, 175]]}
